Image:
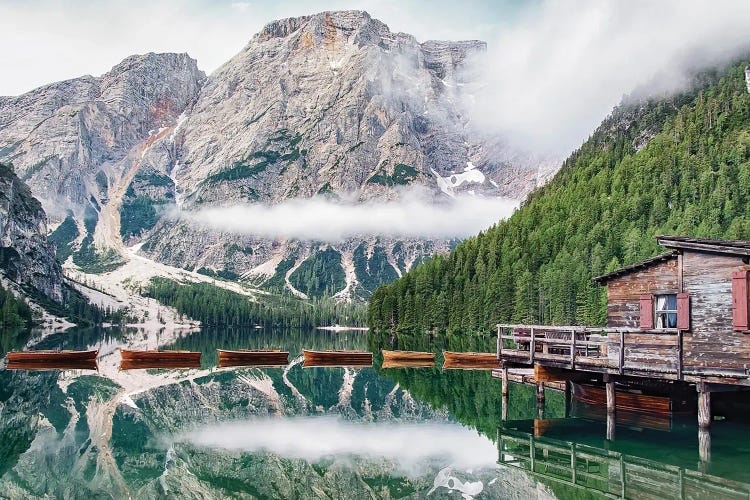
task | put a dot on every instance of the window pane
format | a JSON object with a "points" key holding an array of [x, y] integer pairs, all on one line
{"points": [[672, 320], [661, 302], [671, 302]]}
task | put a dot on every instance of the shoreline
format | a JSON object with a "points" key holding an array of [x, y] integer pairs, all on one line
{"points": [[338, 328]]}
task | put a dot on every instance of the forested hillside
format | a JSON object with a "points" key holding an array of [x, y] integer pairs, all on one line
{"points": [[215, 306], [677, 165]]}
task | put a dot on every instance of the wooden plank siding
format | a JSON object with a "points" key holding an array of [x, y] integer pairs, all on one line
{"points": [[645, 351], [624, 292], [712, 341]]}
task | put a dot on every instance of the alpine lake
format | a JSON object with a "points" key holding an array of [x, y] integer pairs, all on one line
{"points": [[333, 432]]}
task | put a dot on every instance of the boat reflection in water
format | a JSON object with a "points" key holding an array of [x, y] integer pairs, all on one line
{"points": [[266, 358], [47, 356], [53, 364], [136, 360], [173, 364], [573, 458]]}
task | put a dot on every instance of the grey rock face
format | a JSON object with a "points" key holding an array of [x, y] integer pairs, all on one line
{"points": [[331, 105], [334, 102], [25, 255], [61, 135]]}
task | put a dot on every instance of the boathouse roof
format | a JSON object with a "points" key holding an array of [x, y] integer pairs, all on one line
{"points": [[604, 278], [676, 244], [731, 247]]}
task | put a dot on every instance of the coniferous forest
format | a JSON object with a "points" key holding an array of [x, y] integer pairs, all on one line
{"points": [[677, 165], [215, 306]]}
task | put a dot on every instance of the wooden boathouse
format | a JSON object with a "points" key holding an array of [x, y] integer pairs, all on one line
{"points": [[674, 322]]}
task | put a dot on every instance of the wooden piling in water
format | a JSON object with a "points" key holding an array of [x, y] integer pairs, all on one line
{"points": [[611, 423], [704, 408], [611, 403], [704, 445], [540, 393]]}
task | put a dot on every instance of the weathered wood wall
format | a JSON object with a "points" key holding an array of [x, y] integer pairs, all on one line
{"points": [[623, 307], [712, 341], [645, 351]]}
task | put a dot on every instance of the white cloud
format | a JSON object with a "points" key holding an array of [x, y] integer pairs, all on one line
{"points": [[413, 447], [552, 76], [320, 219]]}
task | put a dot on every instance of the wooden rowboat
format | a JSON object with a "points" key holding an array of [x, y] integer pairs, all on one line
{"points": [[408, 359], [337, 358], [407, 356], [138, 360], [49, 356], [247, 357], [85, 364], [470, 360], [130, 355]]}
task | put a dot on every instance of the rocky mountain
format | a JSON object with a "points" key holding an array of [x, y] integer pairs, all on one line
{"points": [[26, 257], [333, 105]]}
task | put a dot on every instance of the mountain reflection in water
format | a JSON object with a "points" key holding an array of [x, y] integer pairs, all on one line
{"points": [[291, 432]]}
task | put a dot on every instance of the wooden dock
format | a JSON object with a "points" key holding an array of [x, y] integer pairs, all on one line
{"points": [[675, 322], [526, 376]]}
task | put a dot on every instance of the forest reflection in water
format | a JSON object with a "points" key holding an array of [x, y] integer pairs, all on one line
{"points": [[294, 431]]}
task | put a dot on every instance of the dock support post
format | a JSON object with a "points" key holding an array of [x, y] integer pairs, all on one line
{"points": [[704, 445], [504, 374], [504, 409], [611, 423], [611, 402], [704, 407], [540, 393], [568, 400], [540, 399]]}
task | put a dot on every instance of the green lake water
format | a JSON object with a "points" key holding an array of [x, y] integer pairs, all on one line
{"points": [[299, 432]]}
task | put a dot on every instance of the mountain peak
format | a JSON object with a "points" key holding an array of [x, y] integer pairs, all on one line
{"points": [[344, 19], [154, 60]]}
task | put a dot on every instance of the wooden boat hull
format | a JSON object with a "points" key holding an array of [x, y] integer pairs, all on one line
{"points": [[130, 355], [174, 364], [416, 356], [357, 359], [85, 364], [50, 356], [624, 400], [407, 364], [260, 358], [470, 360]]}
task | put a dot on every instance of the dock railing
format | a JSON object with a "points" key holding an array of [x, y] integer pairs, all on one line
{"points": [[613, 350]]}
